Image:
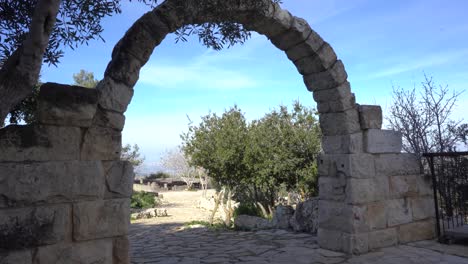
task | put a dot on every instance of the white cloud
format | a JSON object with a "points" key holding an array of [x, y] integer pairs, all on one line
{"points": [[422, 63]]}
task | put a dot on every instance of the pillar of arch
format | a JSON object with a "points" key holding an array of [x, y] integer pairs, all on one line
{"points": [[65, 193]]}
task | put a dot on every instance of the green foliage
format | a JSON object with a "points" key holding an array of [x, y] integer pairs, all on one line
{"points": [[255, 159], [132, 154], [85, 79], [218, 226], [247, 209], [158, 175], [25, 111], [142, 200]]}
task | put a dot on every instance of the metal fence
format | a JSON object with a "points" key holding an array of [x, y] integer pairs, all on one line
{"points": [[449, 172]]}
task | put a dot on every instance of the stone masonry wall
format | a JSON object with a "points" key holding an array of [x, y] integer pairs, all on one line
{"points": [[371, 195], [64, 194]]}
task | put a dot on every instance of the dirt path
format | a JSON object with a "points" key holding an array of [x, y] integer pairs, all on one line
{"points": [[181, 207]]}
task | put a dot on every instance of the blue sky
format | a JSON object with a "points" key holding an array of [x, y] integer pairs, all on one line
{"points": [[382, 43]]}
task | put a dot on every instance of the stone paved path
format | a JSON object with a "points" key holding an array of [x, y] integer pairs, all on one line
{"points": [[170, 243]]}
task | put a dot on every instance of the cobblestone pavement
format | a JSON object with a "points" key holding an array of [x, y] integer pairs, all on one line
{"points": [[170, 243]]}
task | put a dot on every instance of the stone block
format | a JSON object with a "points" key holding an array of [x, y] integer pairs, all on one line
{"points": [[330, 239], [54, 254], [342, 91], [356, 243], [423, 208], [340, 123], [342, 217], [66, 105], [362, 191], [370, 116], [343, 144], [27, 227], [351, 165], [337, 106], [51, 182], [403, 186], [382, 141], [398, 212], [114, 120], [421, 230], [279, 22], [298, 33], [101, 219], [332, 188], [95, 251], [101, 143], [307, 48], [397, 164], [383, 238], [119, 179], [329, 79], [114, 95], [39, 143], [377, 215], [16, 257], [318, 62], [121, 250], [424, 183]]}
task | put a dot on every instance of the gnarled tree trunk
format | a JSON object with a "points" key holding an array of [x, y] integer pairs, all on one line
{"points": [[20, 72]]}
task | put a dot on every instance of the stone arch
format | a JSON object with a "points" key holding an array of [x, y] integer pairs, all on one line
{"points": [[64, 193]]}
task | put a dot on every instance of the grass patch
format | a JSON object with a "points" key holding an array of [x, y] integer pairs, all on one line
{"points": [[143, 200], [217, 226]]}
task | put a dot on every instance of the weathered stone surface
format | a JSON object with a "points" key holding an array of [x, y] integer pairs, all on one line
{"points": [[361, 191], [416, 231], [330, 239], [96, 251], [383, 238], [109, 119], [337, 106], [403, 186], [16, 257], [340, 123], [423, 208], [100, 219], [31, 227], [282, 216], [370, 116], [114, 95], [397, 164], [101, 143], [398, 212], [307, 48], [424, 183], [298, 33], [50, 182], [119, 178], [329, 79], [332, 188], [342, 217], [351, 143], [377, 215], [316, 63], [39, 143], [247, 222], [356, 243], [382, 141], [351, 165], [66, 105], [54, 254], [305, 218], [150, 213], [279, 22], [120, 250], [340, 92]]}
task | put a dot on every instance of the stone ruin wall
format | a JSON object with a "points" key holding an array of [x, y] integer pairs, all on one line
{"points": [[65, 194]]}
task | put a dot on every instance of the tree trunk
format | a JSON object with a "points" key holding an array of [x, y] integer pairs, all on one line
{"points": [[215, 209], [21, 70]]}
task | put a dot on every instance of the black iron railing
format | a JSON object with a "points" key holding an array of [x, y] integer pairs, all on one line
{"points": [[449, 172]]}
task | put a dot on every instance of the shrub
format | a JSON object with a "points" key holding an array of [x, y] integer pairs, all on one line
{"points": [[143, 200], [247, 209]]}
